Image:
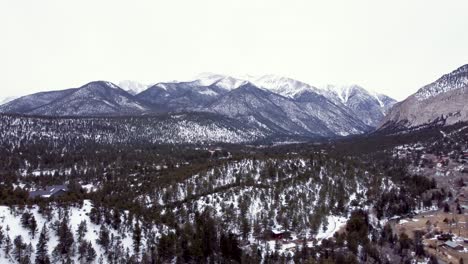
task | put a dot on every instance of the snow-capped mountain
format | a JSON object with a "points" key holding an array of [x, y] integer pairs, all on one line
{"points": [[181, 96], [441, 102], [369, 107], [94, 98], [282, 85], [284, 115], [280, 105], [133, 87], [221, 81]]}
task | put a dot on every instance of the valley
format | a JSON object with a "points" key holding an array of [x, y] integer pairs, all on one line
{"points": [[225, 170]]}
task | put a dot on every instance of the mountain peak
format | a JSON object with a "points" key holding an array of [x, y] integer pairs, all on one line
{"points": [[450, 81], [461, 70], [133, 87], [100, 84]]}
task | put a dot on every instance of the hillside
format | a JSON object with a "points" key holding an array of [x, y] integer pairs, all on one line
{"points": [[442, 102]]}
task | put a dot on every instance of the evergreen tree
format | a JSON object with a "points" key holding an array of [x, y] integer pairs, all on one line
{"points": [[66, 240], [82, 250], [104, 239], [27, 254], [137, 239], [2, 236], [7, 245], [90, 253], [245, 227], [81, 231], [42, 255], [25, 219], [19, 248], [32, 226]]}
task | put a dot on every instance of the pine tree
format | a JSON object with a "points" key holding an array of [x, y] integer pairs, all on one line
{"points": [[81, 231], [32, 226], [103, 239], [27, 254], [245, 227], [116, 219], [64, 247], [137, 239], [20, 247], [2, 236], [8, 245], [82, 249], [42, 255], [90, 253], [25, 219]]}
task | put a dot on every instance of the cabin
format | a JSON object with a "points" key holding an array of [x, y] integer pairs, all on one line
{"points": [[277, 234], [453, 245], [49, 192]]}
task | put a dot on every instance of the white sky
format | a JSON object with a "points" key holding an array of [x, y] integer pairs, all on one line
{"points": [[393, 47]]}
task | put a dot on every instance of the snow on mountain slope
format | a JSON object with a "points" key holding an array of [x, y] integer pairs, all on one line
{"points": [[180, 96], [442, 102], [368, 106], [95, 98], [30, 102], [282, 85], [291, 107], [133, 87], [455, 80], [222, 81], [336, 116], [280, 114]]}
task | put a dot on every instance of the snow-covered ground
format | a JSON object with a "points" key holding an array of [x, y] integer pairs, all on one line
{"points": [[10, 221]]}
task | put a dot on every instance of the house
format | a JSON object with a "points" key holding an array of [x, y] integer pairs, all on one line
{"points": [[453, 245], [277, 234], [49, 192]]}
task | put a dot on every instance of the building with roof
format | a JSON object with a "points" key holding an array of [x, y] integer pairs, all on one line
{"points": [[453, 245], [49, 192]]}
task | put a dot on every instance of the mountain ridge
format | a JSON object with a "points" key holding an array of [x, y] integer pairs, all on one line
{"points": [[281, 105], [442, 102]]}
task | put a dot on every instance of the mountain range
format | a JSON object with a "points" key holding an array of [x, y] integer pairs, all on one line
{"points": [[277, 105]]}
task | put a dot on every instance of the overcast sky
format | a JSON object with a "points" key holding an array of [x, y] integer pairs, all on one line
{"points": [[393, 47]]}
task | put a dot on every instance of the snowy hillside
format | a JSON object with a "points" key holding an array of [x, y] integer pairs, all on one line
{"points": [[174, 129], [12, 226]]}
